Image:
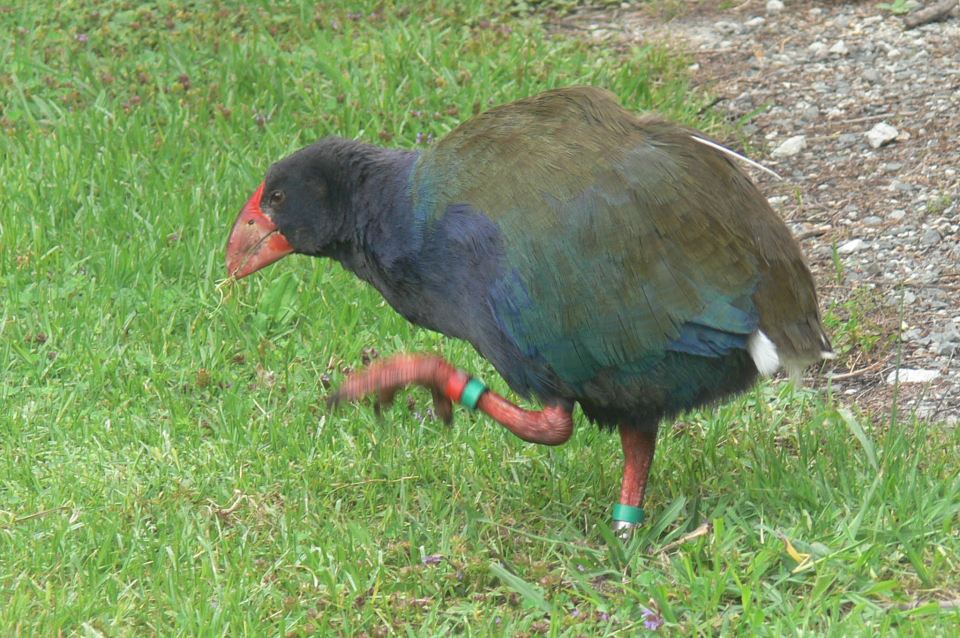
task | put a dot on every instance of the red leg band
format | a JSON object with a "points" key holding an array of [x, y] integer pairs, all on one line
{"points": [[456, 382]]}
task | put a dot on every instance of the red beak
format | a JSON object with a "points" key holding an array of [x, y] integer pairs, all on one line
{"points": [[254, 241]]}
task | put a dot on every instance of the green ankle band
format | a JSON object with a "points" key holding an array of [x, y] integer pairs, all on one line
{"points": [[628, 513], [471, 393]]}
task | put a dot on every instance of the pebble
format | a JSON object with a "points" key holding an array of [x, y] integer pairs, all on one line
{"points": [[898, 214], [790, 147], [914, 335], [881, 133], [774, 7], [778, 200], [947, 348], [852, 246], [930, 238], [872, 220], [847, 139], [946, 343], [912, 375], [725, 27], [840, 48], [810, 112], [818, 49]]}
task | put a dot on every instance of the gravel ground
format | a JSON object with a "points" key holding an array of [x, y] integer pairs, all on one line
{"points": [[861, 117]]}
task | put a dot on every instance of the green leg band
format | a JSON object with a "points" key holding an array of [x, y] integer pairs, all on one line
{"points": [[471, 393], [628, 513]]}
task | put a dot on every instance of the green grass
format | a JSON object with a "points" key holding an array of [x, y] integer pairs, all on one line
{"points": [[167, 465]]}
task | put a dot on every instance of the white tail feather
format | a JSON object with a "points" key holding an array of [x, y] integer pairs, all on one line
{"points": [[764, 353], [735, 155]]}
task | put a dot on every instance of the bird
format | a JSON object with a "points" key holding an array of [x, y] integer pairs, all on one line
{"points": [[596, 257]]}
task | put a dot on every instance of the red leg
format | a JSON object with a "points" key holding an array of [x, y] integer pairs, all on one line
{"points": [[551, 426], [638, 449]]}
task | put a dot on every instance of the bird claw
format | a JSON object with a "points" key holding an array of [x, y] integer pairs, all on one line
{"points": [[384, 399], [442, 406]]}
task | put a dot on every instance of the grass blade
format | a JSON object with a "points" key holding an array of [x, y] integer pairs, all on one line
{"points": [[532, 595], [854, 426]]}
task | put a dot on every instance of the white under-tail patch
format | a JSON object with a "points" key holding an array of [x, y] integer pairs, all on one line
{"points": [[764, 353], [827, 352], [735, 155]]}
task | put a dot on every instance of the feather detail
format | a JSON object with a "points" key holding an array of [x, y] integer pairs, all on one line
{"points": [[764, 353], [735, 155]]}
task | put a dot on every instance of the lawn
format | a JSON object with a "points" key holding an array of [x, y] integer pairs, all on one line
{"points": [[167, 462]]}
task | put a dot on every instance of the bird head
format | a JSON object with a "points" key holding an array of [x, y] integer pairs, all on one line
{"points": [[292, 211]]}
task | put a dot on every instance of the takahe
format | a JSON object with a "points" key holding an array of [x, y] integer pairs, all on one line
{"points": [[593, 256]]}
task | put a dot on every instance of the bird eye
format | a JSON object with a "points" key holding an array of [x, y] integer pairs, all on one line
{"points": [[276, 198]]}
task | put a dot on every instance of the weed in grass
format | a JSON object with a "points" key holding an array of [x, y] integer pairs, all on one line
{"points": [[939, 204], [859, 323], [897, 7]]}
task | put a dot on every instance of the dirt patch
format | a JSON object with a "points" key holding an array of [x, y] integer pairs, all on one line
{"points": [[861, 118]]}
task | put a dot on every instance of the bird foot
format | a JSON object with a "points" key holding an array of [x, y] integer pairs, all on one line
{"points": [[551, 426], [385, 378]]}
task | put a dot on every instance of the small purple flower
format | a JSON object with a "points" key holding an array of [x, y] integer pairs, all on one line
{"points": [[83, 37], [604, 616], [575, 613], [424, 139], [497, 620], [432, 559], [652, 620]]}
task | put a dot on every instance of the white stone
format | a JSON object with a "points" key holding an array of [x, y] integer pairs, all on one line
{"points": [[881, 134], [840, 48], [774, 6], [852, 246], [912, 375], [725, 27], [777, 201], [790, 147]]}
